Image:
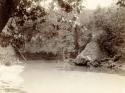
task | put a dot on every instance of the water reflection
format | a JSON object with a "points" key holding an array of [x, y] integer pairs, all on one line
{"points": [[53, 77], [40, 77]]}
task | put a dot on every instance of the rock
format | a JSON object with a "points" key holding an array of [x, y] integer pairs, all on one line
{"points": [[81, 62], [91, 52]]}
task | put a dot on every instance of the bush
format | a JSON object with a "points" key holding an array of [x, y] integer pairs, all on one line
{"points": [[112, 21]]}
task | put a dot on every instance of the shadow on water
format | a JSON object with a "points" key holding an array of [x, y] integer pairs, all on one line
{"points": [[60, 65]]}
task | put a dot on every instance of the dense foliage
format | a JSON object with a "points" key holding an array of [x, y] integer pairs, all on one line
{"points": [[112, 21], [64, 28]]}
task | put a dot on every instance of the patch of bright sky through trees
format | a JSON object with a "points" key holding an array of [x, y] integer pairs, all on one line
{"points": [[89, 4]]}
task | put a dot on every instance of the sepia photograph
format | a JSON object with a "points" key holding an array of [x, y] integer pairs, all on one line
{"points": [[62, 46]]}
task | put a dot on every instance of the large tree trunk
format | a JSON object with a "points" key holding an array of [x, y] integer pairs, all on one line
{"points": [[76, 37], [7, 7], [76, 40]]}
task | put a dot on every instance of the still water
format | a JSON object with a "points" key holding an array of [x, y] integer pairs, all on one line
{"points": [[56, 77]]}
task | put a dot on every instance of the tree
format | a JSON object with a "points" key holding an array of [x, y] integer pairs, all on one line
{"points": [[121, 3], [112, 21], [22, 11], [7, 8]]}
